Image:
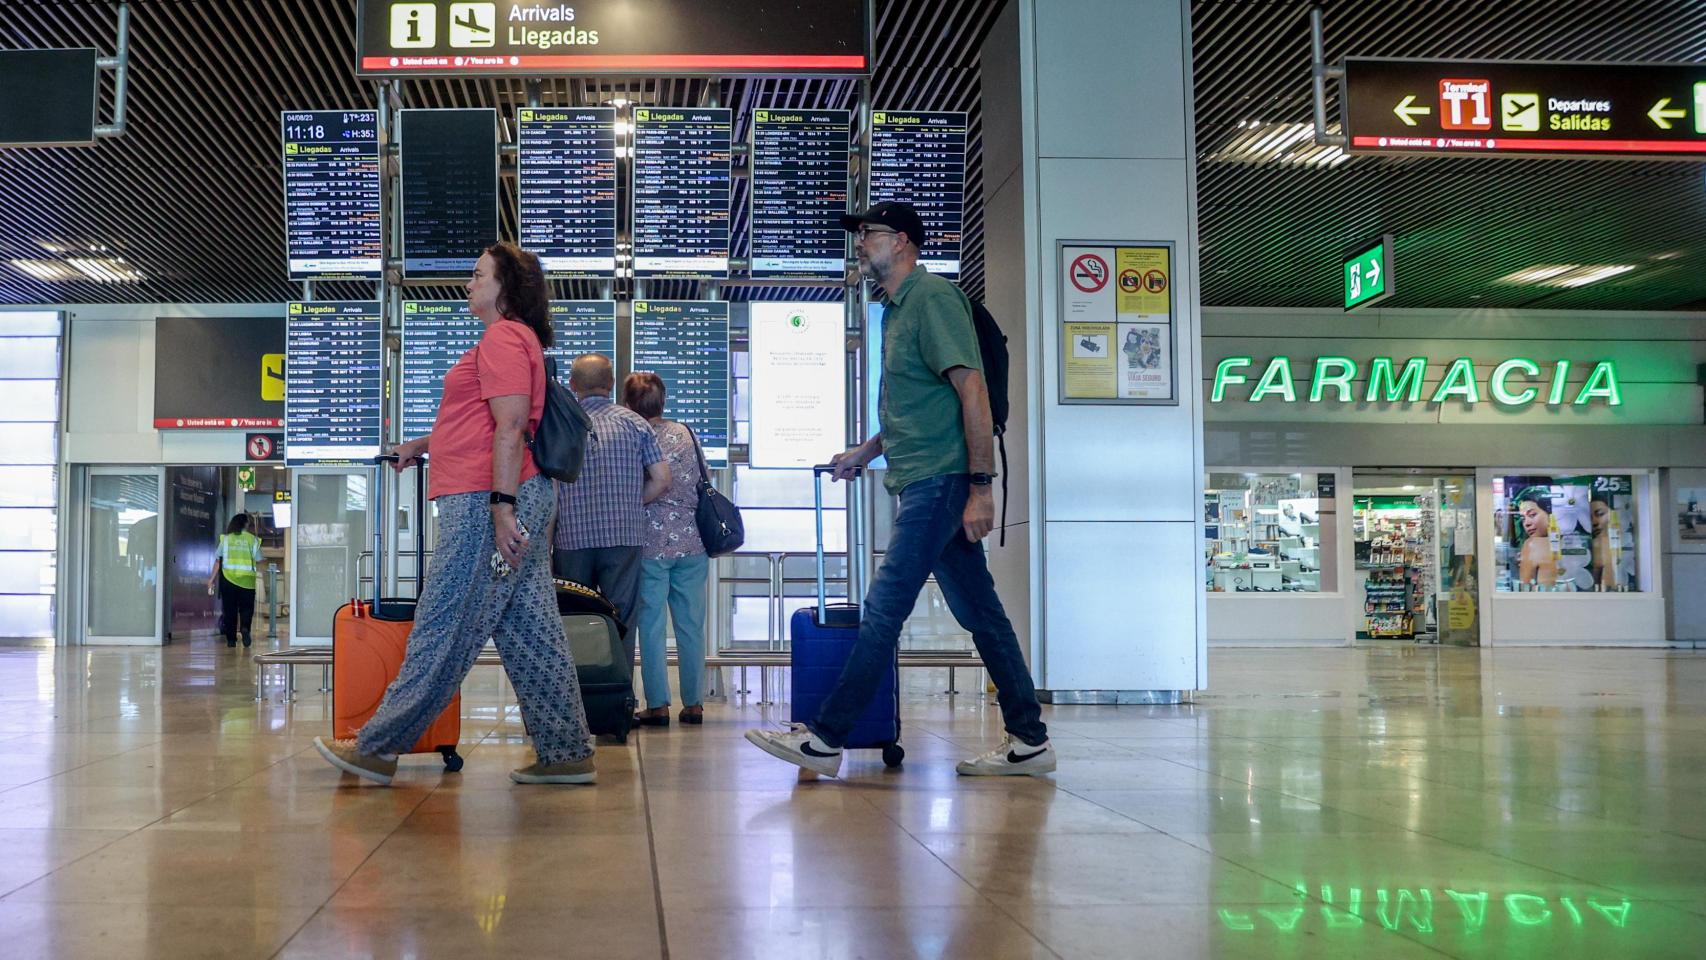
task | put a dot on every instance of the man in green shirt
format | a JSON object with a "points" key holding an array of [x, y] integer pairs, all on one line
{"points": [[938, 436], [239, 554]]}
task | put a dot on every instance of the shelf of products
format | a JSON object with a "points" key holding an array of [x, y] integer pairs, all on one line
{"points": [[1262, 539]]}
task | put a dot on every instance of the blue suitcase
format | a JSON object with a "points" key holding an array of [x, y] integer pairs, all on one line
{"points": [[821, 639]]}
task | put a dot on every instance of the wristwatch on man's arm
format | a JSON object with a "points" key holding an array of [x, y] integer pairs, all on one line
{"points": [[982, 479]]}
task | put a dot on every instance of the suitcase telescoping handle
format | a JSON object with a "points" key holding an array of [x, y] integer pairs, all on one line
{"points": [[382, 463], [855, 544]]}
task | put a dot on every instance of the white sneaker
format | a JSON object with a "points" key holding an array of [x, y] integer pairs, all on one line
{"points": [[1011, 759], [799, 746]]}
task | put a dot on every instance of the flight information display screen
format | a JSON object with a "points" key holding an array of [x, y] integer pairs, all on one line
{"points": [[920, 159], [449, 189], [567, 184], [681, 192], [686, 343], [334, 382], [581, 326], [331, 194], [436, 333], [799, 189]]}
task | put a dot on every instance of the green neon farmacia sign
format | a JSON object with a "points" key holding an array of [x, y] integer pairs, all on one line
{"points": [[1516, 382]]}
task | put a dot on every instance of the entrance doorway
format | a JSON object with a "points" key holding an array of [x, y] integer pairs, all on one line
{"points": [[148, 540], [1416, 569]]}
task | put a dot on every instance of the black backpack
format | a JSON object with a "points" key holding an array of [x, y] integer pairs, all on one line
{"points": [[992, 346]]}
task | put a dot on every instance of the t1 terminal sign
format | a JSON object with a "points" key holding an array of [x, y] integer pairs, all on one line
{"points": [[1515, 108]]}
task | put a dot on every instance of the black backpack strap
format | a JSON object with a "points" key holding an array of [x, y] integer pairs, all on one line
{"points": [[1001, 442]]}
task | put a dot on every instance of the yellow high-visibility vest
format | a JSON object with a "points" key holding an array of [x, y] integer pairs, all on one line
{"points": [[239, 555]]}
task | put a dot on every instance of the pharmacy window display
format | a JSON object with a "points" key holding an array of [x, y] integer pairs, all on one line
{"points": [[1572, 534], [1263, 533]]}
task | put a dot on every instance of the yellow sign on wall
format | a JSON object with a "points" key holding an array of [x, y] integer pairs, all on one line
{"points": [[1142, 277]]}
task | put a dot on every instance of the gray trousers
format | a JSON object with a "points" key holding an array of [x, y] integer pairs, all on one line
{"points": [[463, 604], [613, 571]]}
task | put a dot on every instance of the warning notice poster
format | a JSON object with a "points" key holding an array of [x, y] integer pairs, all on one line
{"points": [[1145, 369], [1086, 275], [1144, 277], [1090, 363], [1117, 339]]}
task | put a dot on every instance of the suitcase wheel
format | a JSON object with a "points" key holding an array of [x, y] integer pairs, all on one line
{"points": [[893, 754], [452, 759]]}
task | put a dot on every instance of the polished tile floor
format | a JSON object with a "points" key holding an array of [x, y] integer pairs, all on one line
{"points": [[1385, 802]]}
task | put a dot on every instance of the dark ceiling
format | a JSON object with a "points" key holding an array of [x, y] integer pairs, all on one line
{"points": [[189, 196]]}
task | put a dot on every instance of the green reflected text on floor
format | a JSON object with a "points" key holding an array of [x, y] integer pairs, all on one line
{"points": [[1419, 909]]}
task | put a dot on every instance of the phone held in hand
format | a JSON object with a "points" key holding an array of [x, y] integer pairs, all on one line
{"points": [[500, 566]]}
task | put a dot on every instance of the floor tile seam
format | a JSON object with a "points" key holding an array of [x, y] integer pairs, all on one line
{"points": [[321, 907], [986, 898], [75, 768], [652, 849]]}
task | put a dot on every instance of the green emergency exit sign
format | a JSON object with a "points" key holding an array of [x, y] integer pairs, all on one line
{"points": [[1368, 273]]}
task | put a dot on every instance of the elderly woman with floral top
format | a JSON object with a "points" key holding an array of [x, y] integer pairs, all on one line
{"points": [[673, 564]]}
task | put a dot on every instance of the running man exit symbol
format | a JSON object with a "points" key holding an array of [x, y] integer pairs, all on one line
{"points": [[473, 24], [413, 25]]}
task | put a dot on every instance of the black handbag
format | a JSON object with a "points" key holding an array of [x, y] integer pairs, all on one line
{"points": [[721, 529], [559, 443]]}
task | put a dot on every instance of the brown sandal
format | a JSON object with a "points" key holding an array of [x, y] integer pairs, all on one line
{"points": [[655, 717], [693, 716]]}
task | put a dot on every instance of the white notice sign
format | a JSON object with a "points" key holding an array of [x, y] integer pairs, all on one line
{"points": [[799, 383], [1086, 280]]}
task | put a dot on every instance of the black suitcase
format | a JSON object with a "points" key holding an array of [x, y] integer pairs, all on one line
{"points": [[821, 638], [606, 677]]}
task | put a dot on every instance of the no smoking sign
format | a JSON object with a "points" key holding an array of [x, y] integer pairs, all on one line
{"points": [[1089, 273]]}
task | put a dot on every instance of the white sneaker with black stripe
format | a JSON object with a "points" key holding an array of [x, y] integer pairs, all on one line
{"points": [[799, 746], [1011, 759]]}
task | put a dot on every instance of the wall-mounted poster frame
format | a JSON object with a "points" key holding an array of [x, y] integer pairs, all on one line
{"points": [[1117, 333]]}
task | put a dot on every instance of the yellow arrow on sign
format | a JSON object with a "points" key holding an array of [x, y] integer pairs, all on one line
{"points": [[1405, 112], [1663, 117]]}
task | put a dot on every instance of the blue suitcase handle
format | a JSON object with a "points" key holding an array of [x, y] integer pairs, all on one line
{"points": [[855, 504]]}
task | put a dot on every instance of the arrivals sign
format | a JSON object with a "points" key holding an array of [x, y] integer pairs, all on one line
{"points": [[534, 37], [1516, 382], [1511, 108]]}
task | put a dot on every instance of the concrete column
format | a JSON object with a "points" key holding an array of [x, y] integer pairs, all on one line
{"points": [[1088, 136]]}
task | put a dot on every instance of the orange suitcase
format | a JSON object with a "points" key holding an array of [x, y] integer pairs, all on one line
{"points": [[368, 643]]}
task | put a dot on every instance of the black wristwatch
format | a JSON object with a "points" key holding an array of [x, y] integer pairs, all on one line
{"points": [[498, 498], [982, 479]]}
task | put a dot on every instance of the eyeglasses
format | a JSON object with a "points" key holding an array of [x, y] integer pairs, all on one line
{"points": [[867, 231]]}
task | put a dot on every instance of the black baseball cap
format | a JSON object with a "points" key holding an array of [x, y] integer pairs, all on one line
{"points": [[896, 216]]}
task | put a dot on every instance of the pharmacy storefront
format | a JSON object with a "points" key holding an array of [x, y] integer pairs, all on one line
{"points": [[1473, 478]]}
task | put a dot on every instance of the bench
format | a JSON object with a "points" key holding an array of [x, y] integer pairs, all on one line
{"points": [[321, 656]]}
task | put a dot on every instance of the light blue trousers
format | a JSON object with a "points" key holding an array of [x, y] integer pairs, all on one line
{"points": [[675, 587]]}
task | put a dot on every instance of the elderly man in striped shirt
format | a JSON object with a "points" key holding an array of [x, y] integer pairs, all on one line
{"points": [[601, 517]]}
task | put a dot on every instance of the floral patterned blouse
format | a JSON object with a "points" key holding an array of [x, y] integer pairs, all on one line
{"points": [[670, 528]]}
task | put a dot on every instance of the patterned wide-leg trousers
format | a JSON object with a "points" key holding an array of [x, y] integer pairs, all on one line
{"points": [[462, 605]]}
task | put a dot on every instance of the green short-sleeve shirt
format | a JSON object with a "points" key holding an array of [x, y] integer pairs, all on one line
{"points": [[927, 331]]}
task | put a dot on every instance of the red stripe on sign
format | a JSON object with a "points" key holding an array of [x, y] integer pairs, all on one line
{"points": [[219, 423], [1566, 146], [643, 62]]}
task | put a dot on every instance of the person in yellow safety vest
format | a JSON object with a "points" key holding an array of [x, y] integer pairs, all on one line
{"points": [[239, 554]]}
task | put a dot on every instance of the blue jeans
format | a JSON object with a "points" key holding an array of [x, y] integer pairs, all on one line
{"points": [[677, 584], [928, 538]]}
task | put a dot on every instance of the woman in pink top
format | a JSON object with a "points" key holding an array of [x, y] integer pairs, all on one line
{"points": [[491, 497]]}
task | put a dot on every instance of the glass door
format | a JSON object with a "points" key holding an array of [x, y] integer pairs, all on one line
{"points": [[1458, 601], [328, 535], [123, 555]]}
